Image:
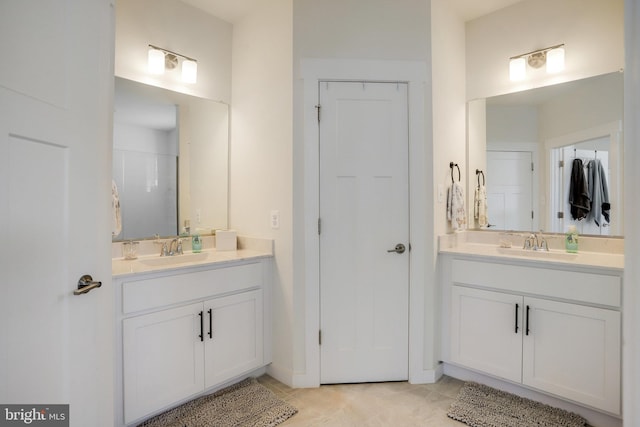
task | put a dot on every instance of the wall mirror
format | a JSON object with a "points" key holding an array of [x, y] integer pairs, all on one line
{"points": [[170, 161], [532, 138]]}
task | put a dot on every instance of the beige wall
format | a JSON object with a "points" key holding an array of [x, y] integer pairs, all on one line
{"points": [[173, 25], [261, 150], [588, 28]]}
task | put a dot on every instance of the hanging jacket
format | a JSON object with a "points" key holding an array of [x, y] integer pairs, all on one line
{"points": [[579, 192]]}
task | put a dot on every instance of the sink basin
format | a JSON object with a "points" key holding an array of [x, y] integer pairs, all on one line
{"points": [[174, 260], [528, 253]]}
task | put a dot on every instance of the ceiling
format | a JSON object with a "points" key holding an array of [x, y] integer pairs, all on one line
{"points": [[234, 10]]}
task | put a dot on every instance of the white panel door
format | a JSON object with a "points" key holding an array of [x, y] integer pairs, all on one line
{"points": [[573, 351], [55, 150], [486, 331], [364, 214], [510, 190]]}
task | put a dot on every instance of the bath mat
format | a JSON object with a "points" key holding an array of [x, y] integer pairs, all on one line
{"points": [[480, 406], [245, 404]]}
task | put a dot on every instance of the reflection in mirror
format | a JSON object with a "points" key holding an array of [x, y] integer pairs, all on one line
{"points": [[170, 156], [532, 138]]}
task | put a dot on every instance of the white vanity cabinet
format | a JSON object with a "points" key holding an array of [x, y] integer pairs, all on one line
{"points": [[552, 330], [189, 331]]}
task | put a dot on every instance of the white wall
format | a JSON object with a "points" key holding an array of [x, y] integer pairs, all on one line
{"points": [[631, 295], [512, 124], [449, 106], [261, 151], [599, 103], [588, 28], [173, 25], [356, 29]]}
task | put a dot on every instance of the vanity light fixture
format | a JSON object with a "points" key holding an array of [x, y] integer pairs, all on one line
{"points": [[160, 59], [552, 56]]}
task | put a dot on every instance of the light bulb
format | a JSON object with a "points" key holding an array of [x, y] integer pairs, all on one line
{"points": [[517, 69], [156, 61], [189, 71], [555, 60]]}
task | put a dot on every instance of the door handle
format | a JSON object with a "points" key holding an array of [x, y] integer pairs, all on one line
{"points": [[210, 323], [398, 249], [85, 284]]}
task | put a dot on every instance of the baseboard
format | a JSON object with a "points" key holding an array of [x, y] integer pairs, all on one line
{"points": [[427, 376], [284, 375], [595, 418]]}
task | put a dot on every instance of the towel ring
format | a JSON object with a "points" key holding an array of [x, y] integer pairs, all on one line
{"points": [[451, 165], [478, 173]]}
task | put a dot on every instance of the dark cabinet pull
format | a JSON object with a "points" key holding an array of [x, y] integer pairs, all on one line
{"points": [[527, 324], [201, 336], [517, 307], [210, 324]]}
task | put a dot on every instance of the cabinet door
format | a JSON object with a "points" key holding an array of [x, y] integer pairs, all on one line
{"points": [[573, 351], [163, 359], [486, 331], [233, 336]]}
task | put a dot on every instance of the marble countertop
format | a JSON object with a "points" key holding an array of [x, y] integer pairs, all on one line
{"points": [[595, 252]]}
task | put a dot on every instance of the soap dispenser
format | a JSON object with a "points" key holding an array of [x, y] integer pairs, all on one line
{"points": [[196, 243], [571, 239]]}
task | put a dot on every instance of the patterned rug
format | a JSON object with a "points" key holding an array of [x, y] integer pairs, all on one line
{"points": [[245, 404], [480, 406]]}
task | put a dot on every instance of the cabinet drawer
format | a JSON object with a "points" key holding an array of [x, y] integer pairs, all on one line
{"points": [[146, 294], [590, 288]]}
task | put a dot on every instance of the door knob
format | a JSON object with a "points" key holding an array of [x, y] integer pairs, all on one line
{"points": [[398, 249], [85, 284]]}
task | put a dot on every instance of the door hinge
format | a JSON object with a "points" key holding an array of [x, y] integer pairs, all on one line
{"points": [[319, 226], [531, 166], [561, 164], [319, 337], [531, 214], [318, 107], [560, 215]]}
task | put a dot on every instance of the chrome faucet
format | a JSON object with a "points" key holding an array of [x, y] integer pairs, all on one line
{"points": [[178, 248], [541, 243], [530, 242]]}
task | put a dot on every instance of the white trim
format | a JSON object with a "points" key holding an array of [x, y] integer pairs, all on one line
{"points": [[414, 73]]}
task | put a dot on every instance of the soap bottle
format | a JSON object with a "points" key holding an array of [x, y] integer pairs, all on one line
{"points": [[196, 243], [571, 239]]}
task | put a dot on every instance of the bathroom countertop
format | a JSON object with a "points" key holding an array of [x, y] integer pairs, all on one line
{"points": [[149, 261], [154, 263], [487, 245]]}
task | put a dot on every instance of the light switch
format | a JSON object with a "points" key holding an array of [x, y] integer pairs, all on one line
{"points": [[275, 219]]}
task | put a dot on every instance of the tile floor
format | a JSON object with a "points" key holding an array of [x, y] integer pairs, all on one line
{"points": [[397, 404]]}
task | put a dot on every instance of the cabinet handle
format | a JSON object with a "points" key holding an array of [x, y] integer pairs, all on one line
{"points": [[527, 324], [210, 324], [517, 307], [201, 336]]}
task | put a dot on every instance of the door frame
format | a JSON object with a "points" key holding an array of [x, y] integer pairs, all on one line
{"points": [[423, 309]]}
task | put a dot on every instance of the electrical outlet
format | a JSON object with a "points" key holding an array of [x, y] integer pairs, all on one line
{"points": [[198, 216], [275, 219], [440, 193]]}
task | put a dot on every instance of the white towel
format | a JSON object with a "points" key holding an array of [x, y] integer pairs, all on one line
{"points": [[116, 216], [455, 207], [480, 206]]}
